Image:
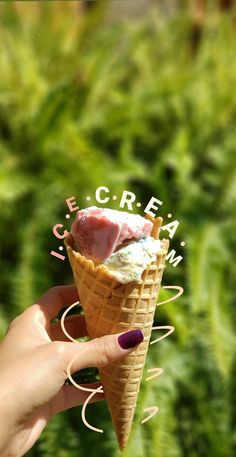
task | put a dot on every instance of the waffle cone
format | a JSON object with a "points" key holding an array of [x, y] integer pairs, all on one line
{"points": [[111, 307]]}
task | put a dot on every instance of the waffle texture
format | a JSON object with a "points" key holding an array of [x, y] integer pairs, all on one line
{"points": [[111, 307]]}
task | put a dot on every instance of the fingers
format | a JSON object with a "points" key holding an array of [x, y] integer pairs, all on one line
{"points": [[54, 300], [95, 353], [69, 396], [74, 325]]}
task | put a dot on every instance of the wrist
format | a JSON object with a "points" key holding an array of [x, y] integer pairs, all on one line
{"points": [[7, 427]]}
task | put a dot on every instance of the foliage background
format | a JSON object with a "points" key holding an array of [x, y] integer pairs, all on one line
{"points": [[140, 103]]}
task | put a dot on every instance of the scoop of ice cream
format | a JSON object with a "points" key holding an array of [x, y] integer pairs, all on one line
{"points": [[128, 263], [98, 232]]}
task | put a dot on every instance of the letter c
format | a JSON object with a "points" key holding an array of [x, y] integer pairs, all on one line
{"points": [[63, 235], [98, 192]]}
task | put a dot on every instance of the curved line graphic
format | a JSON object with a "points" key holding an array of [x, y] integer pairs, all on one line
{"points": [[157, 371], [179, 288], [170, 329], [78, 386], [153, 409]]}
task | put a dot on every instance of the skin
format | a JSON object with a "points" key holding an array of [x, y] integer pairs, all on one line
{"points": [[34, 356]]}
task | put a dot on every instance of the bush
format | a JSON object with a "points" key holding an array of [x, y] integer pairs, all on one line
{"points": [[128, 105]]}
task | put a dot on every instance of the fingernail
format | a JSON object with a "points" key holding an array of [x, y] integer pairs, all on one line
{"points": [[130, 339]]}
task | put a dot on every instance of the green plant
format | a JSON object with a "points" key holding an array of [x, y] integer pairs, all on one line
{"points": [[86, 103]]}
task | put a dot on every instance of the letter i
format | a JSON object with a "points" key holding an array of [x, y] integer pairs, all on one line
{"points": [[56, 254]]}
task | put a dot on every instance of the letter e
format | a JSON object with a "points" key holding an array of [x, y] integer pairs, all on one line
{"points": [[71, 204], [152, 205]]}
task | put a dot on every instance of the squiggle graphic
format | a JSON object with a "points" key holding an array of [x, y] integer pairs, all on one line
{"points": [[170, 329], [158, 371], [87, 389], [153, 409], [179, 288]]}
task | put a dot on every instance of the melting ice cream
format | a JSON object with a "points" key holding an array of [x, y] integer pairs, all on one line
{"points": [[98, 232], [129, 262], [118, 239]]}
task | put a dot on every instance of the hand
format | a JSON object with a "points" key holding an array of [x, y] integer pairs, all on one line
{"points": [[34, 356]]}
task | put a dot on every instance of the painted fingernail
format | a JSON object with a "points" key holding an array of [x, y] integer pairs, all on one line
{"points": [[130, 339]]}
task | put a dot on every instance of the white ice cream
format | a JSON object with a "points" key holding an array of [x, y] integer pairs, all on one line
{"points": [[128, 263]]}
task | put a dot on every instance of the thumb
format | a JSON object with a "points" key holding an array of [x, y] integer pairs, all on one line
{"points": [[98, 352]]}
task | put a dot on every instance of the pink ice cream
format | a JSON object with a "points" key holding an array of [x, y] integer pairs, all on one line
{"points": [[99, 232]]}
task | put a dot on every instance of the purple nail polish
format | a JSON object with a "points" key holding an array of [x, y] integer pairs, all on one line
{"points": [[130, 339]]}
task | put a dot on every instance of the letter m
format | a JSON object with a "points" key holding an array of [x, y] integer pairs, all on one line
{"points": [[172, 259]]}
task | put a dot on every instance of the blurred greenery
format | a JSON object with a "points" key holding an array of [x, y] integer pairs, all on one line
{"points": [[140, 105]]}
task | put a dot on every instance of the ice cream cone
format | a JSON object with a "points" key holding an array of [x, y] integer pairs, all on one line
{"points": [[111, 307]]}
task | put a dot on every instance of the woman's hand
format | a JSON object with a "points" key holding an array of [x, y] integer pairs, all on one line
{"points": [[34, 356]]}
